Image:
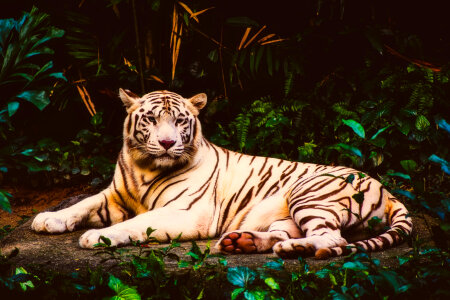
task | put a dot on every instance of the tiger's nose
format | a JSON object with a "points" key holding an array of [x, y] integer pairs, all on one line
{"points": [[167, 143]]}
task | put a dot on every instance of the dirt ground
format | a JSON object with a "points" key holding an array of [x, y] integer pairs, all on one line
{"points": [[28, 201]]}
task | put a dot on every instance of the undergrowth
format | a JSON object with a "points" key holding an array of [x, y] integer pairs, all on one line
{"points": [[149, 273]]}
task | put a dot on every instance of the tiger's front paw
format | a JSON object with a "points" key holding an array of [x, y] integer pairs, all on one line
{"points": [[55, 222], [117, 237]]}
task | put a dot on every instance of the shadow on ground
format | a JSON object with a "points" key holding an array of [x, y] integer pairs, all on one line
{"points": [[61, 252]]}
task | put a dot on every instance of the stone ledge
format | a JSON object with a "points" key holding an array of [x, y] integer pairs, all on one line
{"points": [[61, 252]]}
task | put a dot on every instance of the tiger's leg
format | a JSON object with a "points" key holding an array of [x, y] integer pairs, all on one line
{"points": [[244, 241], [96, 211], [320, 226], [167, 222]]}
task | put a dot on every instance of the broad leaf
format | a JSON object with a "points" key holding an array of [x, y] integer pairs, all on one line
{"points": [[401, 175], [357, 127], [443, 125], [379, 131], [241, 276], [254, 295], [407, 194], [123, 291], [272, 283], [445, 165], [409, 165], [349, 148], [359, 197], [4, 201], [38, 98], [58, 75], [422, 122], [12, 107], [241, 21]]}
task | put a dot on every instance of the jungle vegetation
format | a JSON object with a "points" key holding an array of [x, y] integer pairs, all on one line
{"points": [[357, 83]]}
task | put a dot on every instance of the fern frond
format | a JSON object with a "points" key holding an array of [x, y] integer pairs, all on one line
{"points": [[288, 83], [342, 109], [242, 128]]}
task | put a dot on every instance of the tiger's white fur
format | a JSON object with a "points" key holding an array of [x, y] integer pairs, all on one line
{"points": [[170, 178]]}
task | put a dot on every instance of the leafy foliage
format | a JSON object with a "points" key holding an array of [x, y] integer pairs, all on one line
{"points": [[25, 66], [423, 272], [337, 87]]}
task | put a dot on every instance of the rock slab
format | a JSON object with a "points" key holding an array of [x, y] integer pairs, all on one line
{"points": [[61, 252]]}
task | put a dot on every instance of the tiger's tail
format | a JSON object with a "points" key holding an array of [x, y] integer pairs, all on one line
{"points": [[400, 227]]}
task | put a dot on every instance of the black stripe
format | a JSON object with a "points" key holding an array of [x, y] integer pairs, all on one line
{"points": [[242, 187], [245, 200], [160, 193], [176, 197], [108, 217], [196, 199], [262, 168]]}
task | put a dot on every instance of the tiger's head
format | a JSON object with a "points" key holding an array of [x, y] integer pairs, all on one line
{"points": [[161, 129]]}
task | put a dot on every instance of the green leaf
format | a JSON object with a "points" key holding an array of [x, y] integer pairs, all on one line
{"points": [[272, 283], [407, 194], [359, 197], [236, 292], [24, 284], [254, 295], [123, 291], [422, 122], [374, 222], [349, 148], [443, 125], [156, 4], [58, 75], [105, 240], [445, 165], [355, 265], [402, 260], [27, 152], [4, 201], [241, 276], [409, 165], [445, 226], [241, 21], [379, 131], [380, 142], [357, 127], [259, 55], [277, 264], [12, 107], [350, 178], [44, 68], [150, 231], [398, 174], [38, 98]]}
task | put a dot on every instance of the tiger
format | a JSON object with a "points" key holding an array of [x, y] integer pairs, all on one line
{"points": [[169, 177]]}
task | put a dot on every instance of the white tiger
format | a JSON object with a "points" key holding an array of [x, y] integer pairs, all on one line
{"points": [[170, 178]]}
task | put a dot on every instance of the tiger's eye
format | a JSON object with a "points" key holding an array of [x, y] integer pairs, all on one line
{"points": [[179, 121], [151, 119]]}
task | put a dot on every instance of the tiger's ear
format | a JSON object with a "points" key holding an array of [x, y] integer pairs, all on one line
{"points": [[128, 97], [198, 101]]}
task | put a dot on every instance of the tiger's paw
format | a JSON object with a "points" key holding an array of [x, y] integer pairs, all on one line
{"points": [[309, 246], [117, 237], [239, 241], [293, 248], [56, 222]]}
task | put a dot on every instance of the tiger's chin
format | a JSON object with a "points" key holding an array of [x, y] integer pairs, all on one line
{"points": [[166, 161]]}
